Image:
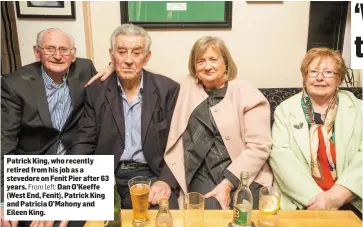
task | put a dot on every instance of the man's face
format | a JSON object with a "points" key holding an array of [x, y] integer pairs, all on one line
{"points": [[128, 56], [55, 52]]}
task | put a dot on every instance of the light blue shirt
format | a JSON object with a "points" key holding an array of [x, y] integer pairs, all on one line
{"points": [[59, 103], [132, 114]]}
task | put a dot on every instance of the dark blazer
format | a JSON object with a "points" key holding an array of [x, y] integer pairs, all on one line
{"points": [[102, 127], [26, 126]]}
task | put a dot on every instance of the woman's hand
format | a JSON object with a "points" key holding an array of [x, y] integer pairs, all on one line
{"points": [[103, 74], [332, 199], [222, 193], [322, 201]]}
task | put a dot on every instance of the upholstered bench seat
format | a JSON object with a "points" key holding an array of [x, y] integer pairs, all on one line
{"points": [[277, 95]]}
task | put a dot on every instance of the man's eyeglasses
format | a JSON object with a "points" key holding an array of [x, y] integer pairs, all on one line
{"points": [[52, 50], [326, 73]]}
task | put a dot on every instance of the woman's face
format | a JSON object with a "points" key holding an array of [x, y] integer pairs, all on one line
{"points": [[319, 85], [211, 68]]}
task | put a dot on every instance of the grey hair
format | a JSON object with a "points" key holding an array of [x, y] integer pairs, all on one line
{"points": [[40, 36], [130, 29]]}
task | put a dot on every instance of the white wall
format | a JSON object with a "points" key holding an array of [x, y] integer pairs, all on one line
{"points": [[267, 41], [29, 28]]}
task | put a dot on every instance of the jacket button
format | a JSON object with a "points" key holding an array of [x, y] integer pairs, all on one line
{"points": [[228, 137]]}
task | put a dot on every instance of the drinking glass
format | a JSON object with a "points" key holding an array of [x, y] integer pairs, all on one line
{"points": [[139, 191], [193, 209], [269, 204]]}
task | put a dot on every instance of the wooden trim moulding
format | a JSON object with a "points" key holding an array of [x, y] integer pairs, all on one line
{"points": [[88, 29]]}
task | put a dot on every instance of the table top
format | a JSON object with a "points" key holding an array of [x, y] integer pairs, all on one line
{"points": [[286, 218]]}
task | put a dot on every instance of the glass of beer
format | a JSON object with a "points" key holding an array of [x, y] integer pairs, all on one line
{"points": [[139, 191]]}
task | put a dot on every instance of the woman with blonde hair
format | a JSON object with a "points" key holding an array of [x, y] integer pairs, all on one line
{"points": [[220, 127], [317, 139]]}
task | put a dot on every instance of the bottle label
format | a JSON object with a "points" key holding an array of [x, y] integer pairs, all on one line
{"points": [[240, 216]]}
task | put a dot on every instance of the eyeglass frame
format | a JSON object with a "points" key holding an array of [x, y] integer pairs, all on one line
{"points": [[56, 49], [204, 64], [322, 72]]}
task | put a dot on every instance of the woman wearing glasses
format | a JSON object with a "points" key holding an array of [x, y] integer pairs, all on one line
{"points": [[317, 139]]}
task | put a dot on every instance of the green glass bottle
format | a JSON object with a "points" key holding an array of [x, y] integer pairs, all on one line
{"points": [[116, 210]]}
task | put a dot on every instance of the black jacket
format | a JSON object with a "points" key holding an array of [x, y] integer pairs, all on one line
{"points": [[102, 127]]}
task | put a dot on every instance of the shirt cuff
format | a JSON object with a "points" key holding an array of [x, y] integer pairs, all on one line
{"points": [[232, 178]]}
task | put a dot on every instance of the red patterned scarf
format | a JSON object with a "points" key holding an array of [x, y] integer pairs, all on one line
{"points": [[322, 142]]}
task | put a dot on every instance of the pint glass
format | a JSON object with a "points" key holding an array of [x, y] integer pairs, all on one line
{"points": [[139, 192]]}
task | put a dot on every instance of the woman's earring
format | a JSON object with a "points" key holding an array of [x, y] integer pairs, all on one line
{"points": [[225, 75], [197, 80]]}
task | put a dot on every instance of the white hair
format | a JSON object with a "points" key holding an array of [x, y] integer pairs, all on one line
{"points": [[41, 33], [130, 29]]}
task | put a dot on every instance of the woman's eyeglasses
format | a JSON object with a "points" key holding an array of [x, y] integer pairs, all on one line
{"points": [[325, 73]]}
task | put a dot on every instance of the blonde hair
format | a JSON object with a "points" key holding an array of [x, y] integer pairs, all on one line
{"points": [[199, 48], [323, 53]]}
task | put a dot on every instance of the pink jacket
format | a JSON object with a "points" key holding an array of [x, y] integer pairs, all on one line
{"points": [[243, 119]]}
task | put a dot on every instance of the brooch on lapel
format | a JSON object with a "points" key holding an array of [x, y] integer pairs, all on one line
{"points": [[299, 126]]}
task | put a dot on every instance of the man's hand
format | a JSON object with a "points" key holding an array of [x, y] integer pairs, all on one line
{"points": [[7, 223], [47, 224], [159, 190], [222, 193], [103, 74]]}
